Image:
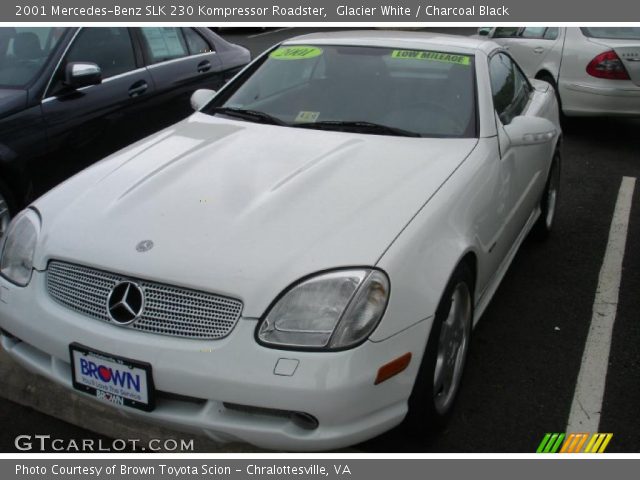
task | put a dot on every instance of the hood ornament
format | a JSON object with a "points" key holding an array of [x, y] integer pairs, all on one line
{"points": [[144, 246]]}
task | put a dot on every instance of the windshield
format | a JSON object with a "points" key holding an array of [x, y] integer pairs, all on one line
{"points": [[360, 89], [23, 52], [622, 33]]}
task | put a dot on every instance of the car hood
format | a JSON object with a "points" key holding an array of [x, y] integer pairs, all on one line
{"points": [[11, 101], [243, 209]]}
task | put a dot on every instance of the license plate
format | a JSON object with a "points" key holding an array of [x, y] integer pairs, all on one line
{"points": [[118, 380]]}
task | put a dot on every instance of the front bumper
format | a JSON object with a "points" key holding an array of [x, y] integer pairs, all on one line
{"points": [[198, 380]]}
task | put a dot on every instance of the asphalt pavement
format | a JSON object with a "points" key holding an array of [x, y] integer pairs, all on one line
{"points": [[527, 350], [20, 421]]}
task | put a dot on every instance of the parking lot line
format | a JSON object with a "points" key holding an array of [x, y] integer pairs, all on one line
{"points": [[268, 32], [586, 407]]}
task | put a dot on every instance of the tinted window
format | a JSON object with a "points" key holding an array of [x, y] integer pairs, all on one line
{"points": [[506, 32], [509, 86], [110, 48], [195, 42], [533, 32], [425, 92], [164, 43], [547, 33], [24, 51], [631, 33]]}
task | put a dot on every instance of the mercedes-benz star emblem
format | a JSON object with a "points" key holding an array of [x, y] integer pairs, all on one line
{"points": [[125, 303], [144, 246]]}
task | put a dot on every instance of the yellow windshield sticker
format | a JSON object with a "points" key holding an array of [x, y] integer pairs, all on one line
{"points": [[434, 56], [299, 52], [307, 117]]}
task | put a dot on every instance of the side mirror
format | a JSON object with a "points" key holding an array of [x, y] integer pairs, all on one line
{"points": [[82, 74], [484, 31], [530, 131], [201, 97]]}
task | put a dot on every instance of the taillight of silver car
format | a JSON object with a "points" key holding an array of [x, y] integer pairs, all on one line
{"points": [[607, 65]]}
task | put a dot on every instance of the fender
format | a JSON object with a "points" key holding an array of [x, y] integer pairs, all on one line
{"points": [[452, 227]]}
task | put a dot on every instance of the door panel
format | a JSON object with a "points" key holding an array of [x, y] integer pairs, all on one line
{"points": [[521, 166], [179, 64], [89, 123], [524, 171], [534, 46], [23, 153]]}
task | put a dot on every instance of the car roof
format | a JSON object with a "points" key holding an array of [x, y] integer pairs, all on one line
{"points": [[398, 39]]}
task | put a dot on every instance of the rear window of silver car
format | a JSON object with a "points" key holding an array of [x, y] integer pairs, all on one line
{"points": [[428, 92], [622, 33]]}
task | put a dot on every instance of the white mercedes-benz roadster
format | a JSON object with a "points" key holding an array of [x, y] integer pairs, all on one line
{"points": [[299, 264]]}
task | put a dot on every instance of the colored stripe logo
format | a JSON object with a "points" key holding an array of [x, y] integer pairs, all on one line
{"points": [[574, 443]]}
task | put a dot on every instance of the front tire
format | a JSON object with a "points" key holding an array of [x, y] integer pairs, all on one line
{"points": [[549, 202], [440, 374]]}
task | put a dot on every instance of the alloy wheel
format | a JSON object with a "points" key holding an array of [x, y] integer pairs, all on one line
{"points": [[453, 345]]}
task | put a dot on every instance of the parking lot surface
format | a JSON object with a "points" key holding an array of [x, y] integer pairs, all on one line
{"points": [[527, 351]]}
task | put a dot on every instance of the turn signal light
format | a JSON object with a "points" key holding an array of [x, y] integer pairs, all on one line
{"points": [[393, 368], [607, 65]]}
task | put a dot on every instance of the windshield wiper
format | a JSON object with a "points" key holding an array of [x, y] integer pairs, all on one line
{"points": [[251, 115], [360, 127]]}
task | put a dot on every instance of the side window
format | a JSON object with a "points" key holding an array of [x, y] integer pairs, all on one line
{"points": [[506, 32], [23, 52], [108, 47], [164, 43], [510, 88], [195, 42], [546, 33], [533, 32]]}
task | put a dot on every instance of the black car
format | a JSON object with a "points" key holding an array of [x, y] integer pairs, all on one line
{"points": [[70, 96]]}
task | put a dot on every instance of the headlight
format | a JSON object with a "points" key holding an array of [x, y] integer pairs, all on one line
{"points": [[19, 247], [330, 311]]}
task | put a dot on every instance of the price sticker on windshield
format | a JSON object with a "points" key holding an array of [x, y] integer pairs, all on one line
{"points": [[433, 56], [307, 117], [298, 52]]}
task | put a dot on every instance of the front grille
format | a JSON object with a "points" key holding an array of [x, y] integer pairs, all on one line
{"points": [[168, 310]]}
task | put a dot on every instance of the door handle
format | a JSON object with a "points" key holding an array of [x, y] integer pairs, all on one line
{"points": [[138, 88], [538, 50], [204, 66]]}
